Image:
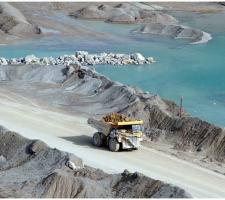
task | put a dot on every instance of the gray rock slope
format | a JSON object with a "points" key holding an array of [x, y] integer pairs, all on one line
{"points": [[30, 169], [175, 31], [96, 95], [123, 13], [13, 22], [156, 22]]}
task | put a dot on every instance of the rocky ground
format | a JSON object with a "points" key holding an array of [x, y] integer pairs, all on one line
{"points": [[94, 94], [27, 20], [50, 83], [20, 20], [123, 13], [31, 169], [156, 21], [13, 24], [195, 36]]}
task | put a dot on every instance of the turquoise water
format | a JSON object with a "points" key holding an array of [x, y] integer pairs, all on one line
{"points": [[196, 72]]}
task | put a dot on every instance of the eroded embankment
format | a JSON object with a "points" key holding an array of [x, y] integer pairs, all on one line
{"points": [[154, 22], [95, 94], [162, 121], [14, 25], [29, 168]]}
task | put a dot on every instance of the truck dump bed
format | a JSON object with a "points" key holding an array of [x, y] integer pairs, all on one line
{"points": [[126, 123], [119, 131], [113, 120], [101, 126]]}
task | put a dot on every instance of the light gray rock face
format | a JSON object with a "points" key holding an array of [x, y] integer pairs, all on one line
{"points": [[3, 61], [31, 169], [174, 31], [156, 17], [46, 74], [81, 53], [74, 162], [138, 57], [31, 59], [14, 61], [81, 58], [123, 13]]}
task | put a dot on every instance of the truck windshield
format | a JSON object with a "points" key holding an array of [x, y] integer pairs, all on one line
{"points": [[137, 128]]}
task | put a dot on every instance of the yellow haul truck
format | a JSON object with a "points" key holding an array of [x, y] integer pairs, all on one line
{"points": [[117, 132]]}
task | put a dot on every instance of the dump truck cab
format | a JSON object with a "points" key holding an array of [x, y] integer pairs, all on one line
{"points": [[117, 132], [128, 134]]}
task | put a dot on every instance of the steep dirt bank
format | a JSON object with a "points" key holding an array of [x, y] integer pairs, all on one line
{"points": [[22, 20], [30, 169], [14, 25], [95, 94], [155, 19], [52, 17], [123, 13], [195, 36]]}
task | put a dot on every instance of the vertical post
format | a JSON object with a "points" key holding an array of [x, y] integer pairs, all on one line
{"points": [[181, 106]]}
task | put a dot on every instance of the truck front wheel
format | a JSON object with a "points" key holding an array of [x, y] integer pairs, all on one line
{"points": [[98, 139], [114, 145]]}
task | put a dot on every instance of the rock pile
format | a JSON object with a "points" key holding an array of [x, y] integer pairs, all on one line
{"points": [[14, 23], [82, 58], [154, 22], [31, 169], [175, 31], [124, 13]]}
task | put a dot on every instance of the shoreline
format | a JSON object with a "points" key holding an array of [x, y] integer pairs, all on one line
{"points": [[66, 27], [205, 38]]}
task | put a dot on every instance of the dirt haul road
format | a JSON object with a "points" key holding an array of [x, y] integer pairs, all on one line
{"points": [[72, 134]]}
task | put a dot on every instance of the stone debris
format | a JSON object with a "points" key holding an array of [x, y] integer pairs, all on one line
{"points": [[71, 165], [74, 162], [2, 160], [3, 61], [82, 58]]}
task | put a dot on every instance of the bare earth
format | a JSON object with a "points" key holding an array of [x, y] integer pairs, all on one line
{"points": [[72, 134], [35, 17], [42, 105]]}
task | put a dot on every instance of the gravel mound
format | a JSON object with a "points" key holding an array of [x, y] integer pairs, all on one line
{"points": [[95, 95], [124, 13], [155, 21], [175, 31], [31, 169], [13, 22]]}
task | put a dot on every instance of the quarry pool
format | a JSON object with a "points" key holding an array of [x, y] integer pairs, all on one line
{"points": [[196, 72]]}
